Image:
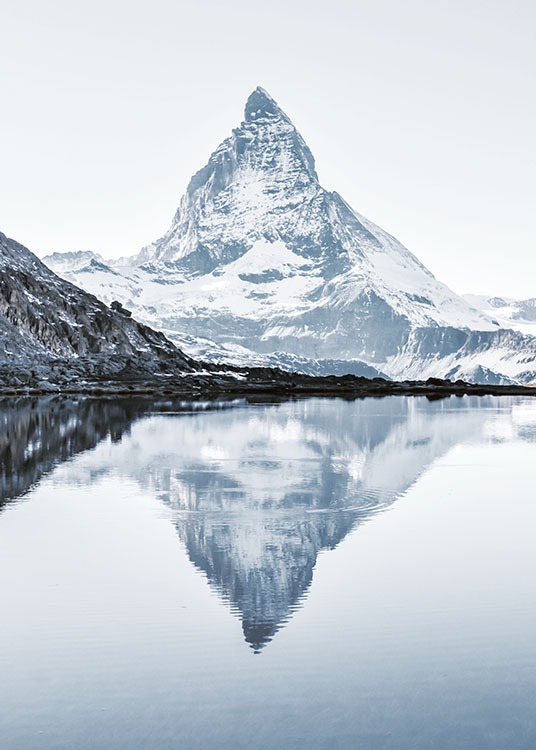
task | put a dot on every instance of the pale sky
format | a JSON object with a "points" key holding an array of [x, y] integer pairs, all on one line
{"points": [[422, 114]]}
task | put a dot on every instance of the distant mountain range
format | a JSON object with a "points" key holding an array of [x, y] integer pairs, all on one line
{"points": [[262, 265], [519, 314]]}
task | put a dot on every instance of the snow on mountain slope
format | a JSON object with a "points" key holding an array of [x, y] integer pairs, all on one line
{"points": [[495, 357], [73, 261], [259, 257], [509, 313], [258, 204]]}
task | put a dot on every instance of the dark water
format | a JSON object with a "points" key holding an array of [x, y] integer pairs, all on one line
{"points": [[311, 574]]}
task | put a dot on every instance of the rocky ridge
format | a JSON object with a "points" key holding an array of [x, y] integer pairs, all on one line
{"points": [[46, 321]]}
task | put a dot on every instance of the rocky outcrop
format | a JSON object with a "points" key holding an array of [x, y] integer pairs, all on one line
{"points": [[44, 317]]}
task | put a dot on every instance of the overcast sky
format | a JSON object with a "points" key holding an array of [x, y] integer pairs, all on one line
{"points": [[421, 114]]}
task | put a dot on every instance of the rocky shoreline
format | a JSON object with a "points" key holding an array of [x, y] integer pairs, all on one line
{"points": [[124, 375]]}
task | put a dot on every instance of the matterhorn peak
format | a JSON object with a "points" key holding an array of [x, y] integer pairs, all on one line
{"points": [[265, 263], [263, 176], [261, 104]]}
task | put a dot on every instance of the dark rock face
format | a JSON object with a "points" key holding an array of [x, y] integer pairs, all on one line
{"points": [[118, 307], [42, 316]]}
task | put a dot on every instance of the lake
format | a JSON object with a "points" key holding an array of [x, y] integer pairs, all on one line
{"points": [[309, 574]]}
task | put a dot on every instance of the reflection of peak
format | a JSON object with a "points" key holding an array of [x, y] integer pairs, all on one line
{"points": [[254, 493], [262, 565], [258, 634], [257, 494]]}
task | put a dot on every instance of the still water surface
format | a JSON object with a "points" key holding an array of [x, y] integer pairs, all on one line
{"points": [[310, 574]]}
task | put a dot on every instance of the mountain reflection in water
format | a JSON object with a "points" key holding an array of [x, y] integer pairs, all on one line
{"points": [[255, 491]]}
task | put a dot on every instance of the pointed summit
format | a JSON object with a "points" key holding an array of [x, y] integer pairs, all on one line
{"points": [[261, 104]]}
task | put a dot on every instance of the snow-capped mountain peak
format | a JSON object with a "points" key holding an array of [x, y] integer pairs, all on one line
{"points": [[260, 257], [260, 189], [257, 176], [260, 104]]}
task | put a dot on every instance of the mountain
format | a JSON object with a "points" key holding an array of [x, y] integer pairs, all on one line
{"points": [[519, 314], [43, 317], [74, 261], [262, 260]]}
